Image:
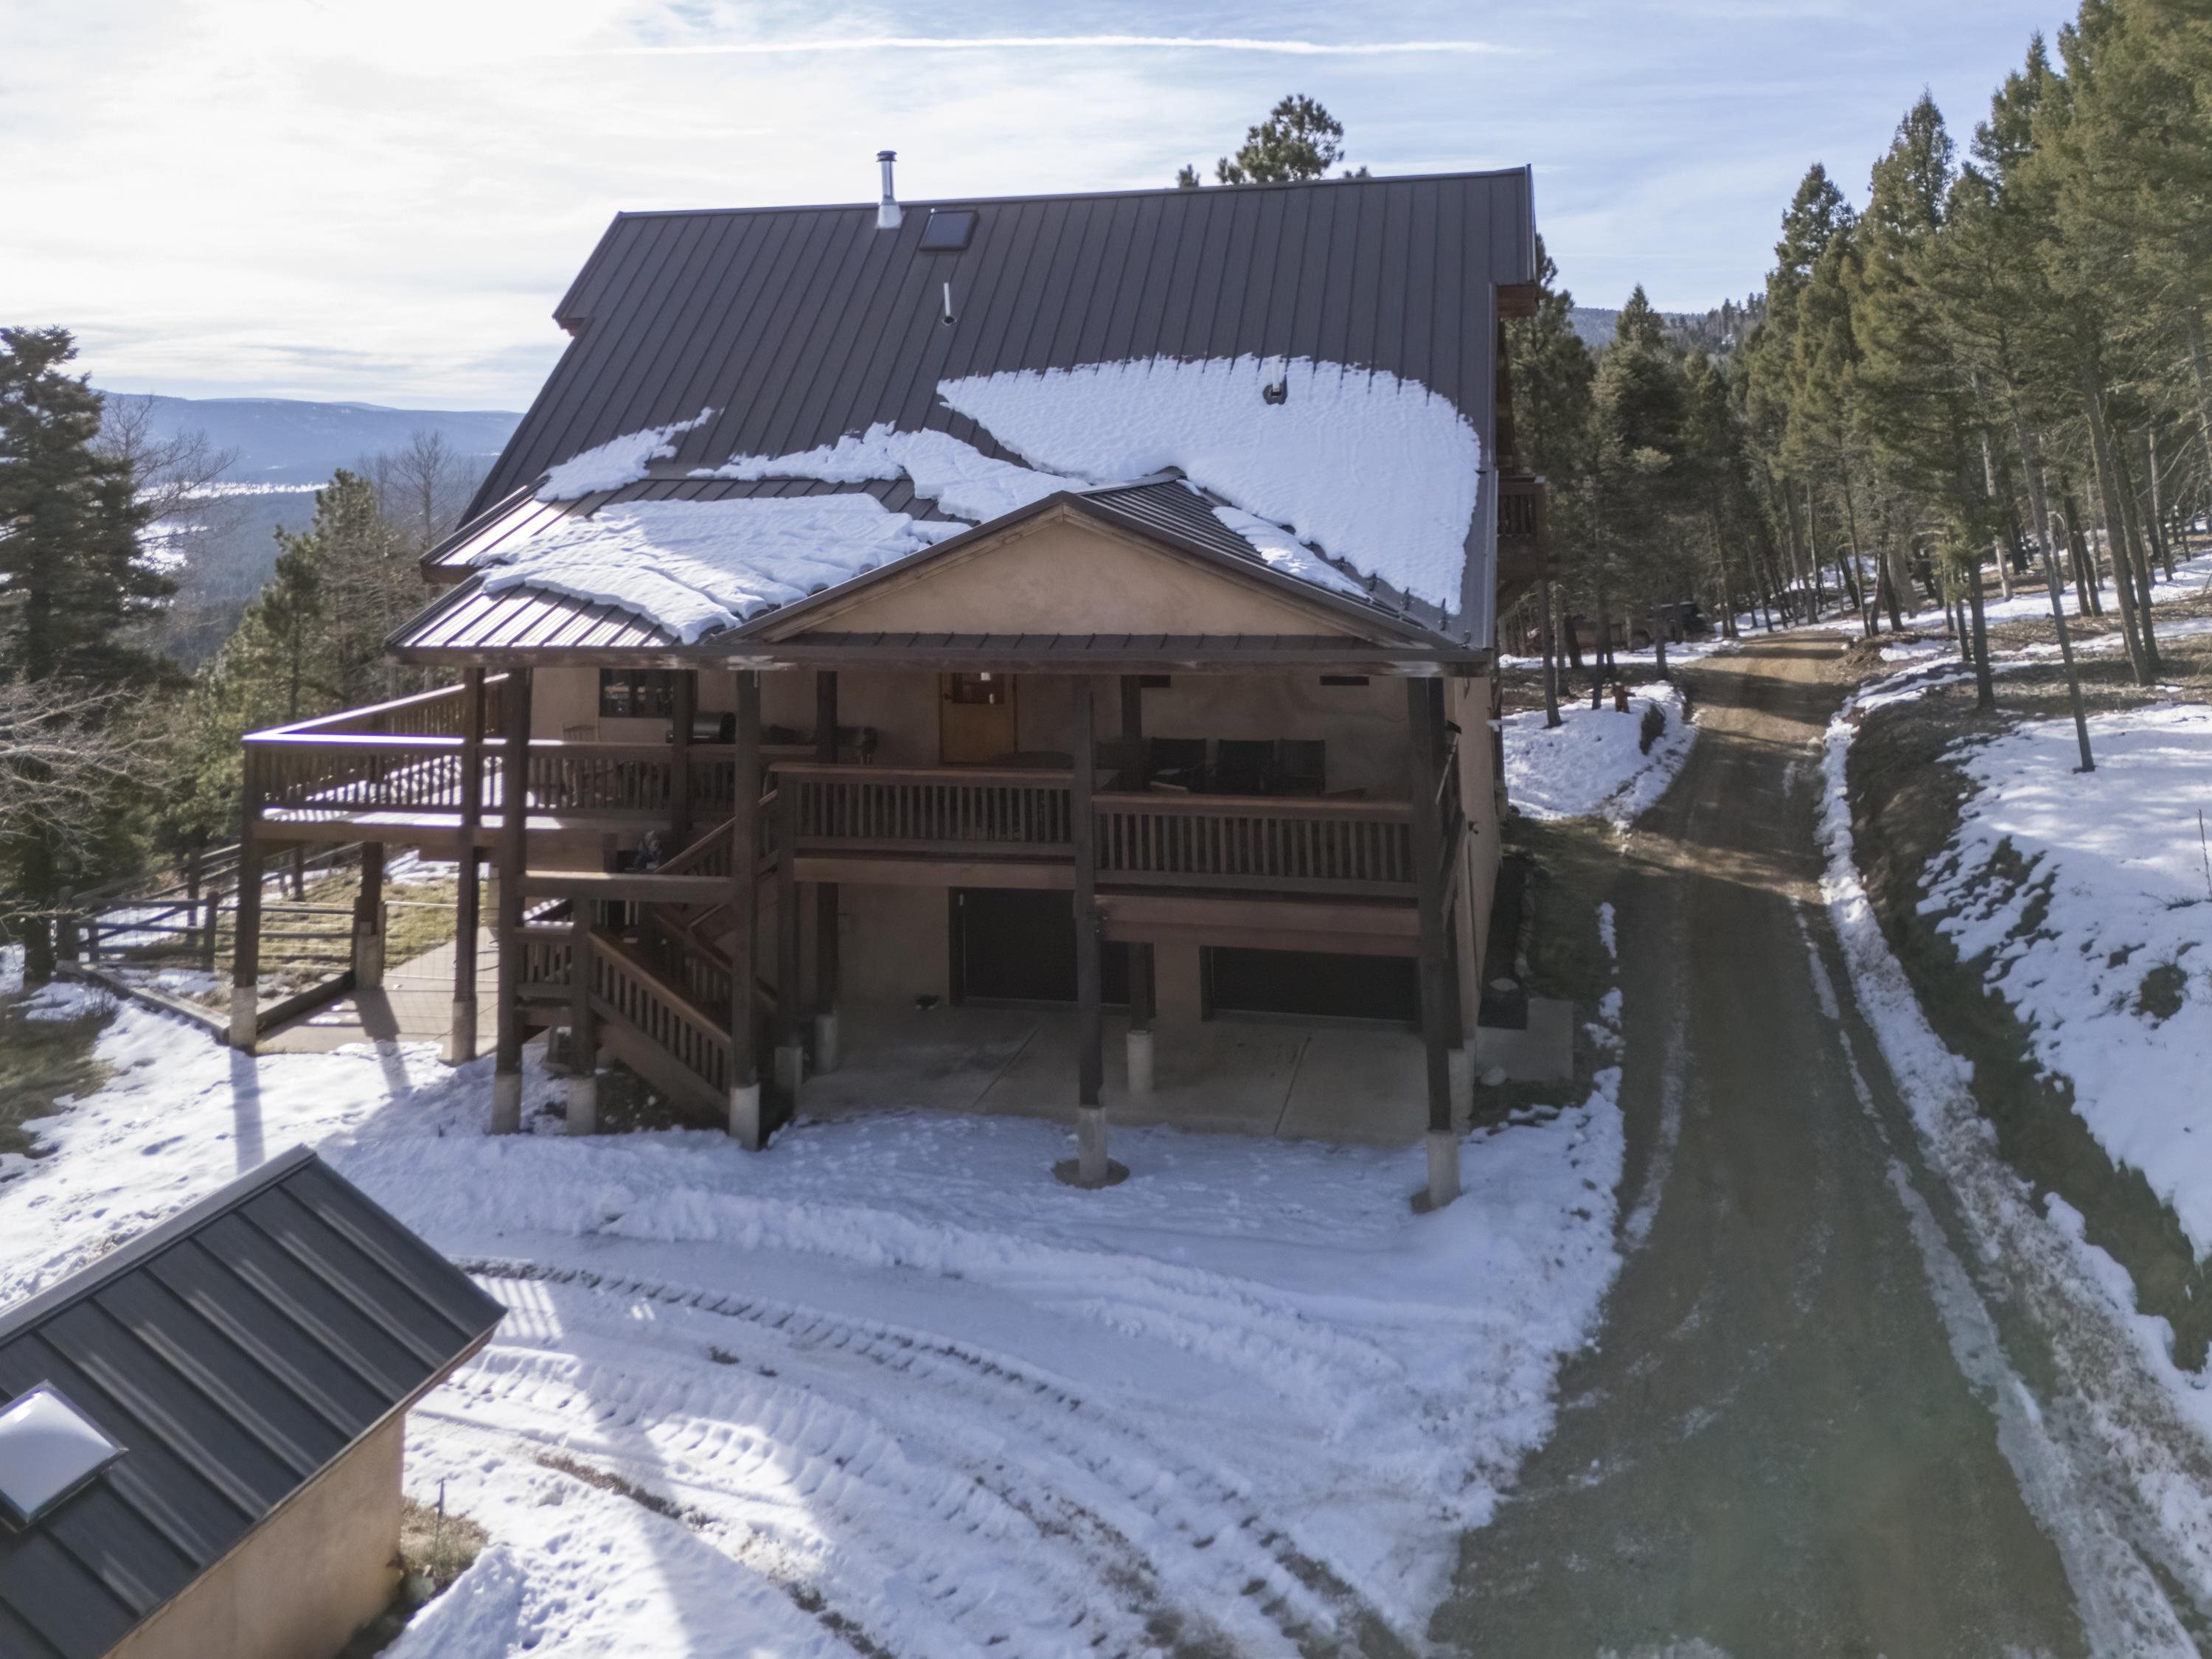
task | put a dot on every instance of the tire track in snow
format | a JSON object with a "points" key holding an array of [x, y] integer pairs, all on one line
{"points": [[1087, 1481], [2122, 1607]]}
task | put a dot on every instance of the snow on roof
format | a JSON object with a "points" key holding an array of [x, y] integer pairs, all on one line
{"points": [[1283, 552], [1377, 470], [959, 477], [617, 462], [695, 567], [1299, 458]]}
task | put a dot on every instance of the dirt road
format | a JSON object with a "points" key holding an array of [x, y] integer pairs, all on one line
{"points": [[1799, 1435]]}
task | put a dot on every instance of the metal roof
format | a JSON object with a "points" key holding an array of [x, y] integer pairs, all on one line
{"points": [[234, 1352], [797, 325]]}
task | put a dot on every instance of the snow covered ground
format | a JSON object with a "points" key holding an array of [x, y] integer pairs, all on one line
{"points": [[2088, 900], [889, 1383], [1595, 762]]}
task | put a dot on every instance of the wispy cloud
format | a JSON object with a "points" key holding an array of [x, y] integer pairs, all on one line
{"points": [[1057, 42]]}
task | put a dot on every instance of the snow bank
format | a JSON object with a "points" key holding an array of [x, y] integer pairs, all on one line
{"points": [[1595, 763], [890, 1378], [1380, 472], [617, 462], [2090, 897], [959, 477], [694, 567]]}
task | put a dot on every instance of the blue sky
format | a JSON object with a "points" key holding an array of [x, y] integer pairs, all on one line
{"points": [[382, 201]]}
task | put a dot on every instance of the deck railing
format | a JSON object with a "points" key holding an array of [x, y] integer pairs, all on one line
{"points": [[631, 991], [1265, 843], [882, 809]]}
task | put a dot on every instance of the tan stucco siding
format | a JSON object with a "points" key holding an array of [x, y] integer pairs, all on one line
{"points": [[305, 1580], [1067, 576]]}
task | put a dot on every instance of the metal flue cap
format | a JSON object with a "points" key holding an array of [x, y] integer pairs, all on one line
{"points": [[887, 211]]}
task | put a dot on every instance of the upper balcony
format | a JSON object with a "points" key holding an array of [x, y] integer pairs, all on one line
{"points": [[406, 772]]}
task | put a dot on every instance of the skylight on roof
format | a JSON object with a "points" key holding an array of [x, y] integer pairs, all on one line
{"points": [[949, 230], [48, 1449]]}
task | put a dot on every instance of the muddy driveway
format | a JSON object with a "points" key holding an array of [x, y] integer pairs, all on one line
{"points": [[1801, 1433]]}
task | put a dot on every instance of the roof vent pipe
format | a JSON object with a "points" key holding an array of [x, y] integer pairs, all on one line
{"points": [[887, 210]]}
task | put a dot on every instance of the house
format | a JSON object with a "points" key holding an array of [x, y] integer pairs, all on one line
{"points": [[1087, 597], [201, 1453]]}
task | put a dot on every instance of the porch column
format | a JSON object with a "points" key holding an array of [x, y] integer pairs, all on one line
{"points": [[245, 943], [825, 892], [790, 1056], [1424, 717], [1143, 1003], [369, 920], [1133, 731], [468, 892], [679, 758], [513, 846], [583, 1031], [745, 854], [1091, 1167]]}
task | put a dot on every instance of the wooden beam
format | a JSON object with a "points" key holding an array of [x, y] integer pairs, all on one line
{"points": [[514, 860], [740, 891], [789, 1000], [679, 781], [826, 965], [246, 938], [1425, 718], [468, 898], [1090, 1062]]}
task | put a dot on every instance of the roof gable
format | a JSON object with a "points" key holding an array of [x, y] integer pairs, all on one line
{"points": [[1074, 565]]}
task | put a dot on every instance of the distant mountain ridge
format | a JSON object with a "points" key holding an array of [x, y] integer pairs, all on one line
{"points": [[288, 440]]}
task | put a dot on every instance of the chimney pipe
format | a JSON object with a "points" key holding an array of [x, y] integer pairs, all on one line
{"points": [[887, 211]]}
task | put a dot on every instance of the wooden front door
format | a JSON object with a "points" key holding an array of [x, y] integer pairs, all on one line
{"points": [[975, 719]]}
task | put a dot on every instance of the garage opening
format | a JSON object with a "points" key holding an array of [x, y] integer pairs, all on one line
{"points": [[1313, 985], [1013, 945]]}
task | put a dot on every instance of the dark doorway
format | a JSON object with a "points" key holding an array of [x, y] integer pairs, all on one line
{"points": [[1013, 945], [1313, 984]]}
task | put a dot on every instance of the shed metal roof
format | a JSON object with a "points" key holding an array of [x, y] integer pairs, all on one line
{"points": [[235, 1351], [797, 325]]}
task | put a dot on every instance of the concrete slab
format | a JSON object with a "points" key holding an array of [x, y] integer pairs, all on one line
{"points": [[415, 1005], [1369, 1087], [1226, 1077]]}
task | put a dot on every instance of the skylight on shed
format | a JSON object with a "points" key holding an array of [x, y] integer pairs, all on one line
{"points": [[949, 230], [48, 1449]]}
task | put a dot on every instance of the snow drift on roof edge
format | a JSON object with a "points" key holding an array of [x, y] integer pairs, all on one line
{"points": [[1377, 471], [693, 567]]}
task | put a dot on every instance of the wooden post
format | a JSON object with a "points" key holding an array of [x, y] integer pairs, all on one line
{"points": [[583, 1035], [1134, 772], [246, 944], [745, 1123], [468, 894], [195, 941], [369, 920], [826, 964], [1091, 1167], [679, 781], [300, 871], [1424, 720], [790, 1056], [1144, 1007], [513, 857]]}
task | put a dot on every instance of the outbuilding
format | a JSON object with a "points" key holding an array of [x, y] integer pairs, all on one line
{"points": [[201, 1449]]}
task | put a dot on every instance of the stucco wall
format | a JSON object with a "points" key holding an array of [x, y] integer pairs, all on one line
{"points": [[1065, 576], [305, 1580]]}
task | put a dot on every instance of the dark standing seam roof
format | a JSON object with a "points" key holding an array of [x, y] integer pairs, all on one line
{"points": [[800, 324], [234, 1352]]}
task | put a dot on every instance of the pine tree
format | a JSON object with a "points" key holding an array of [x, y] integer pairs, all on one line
{"points": [[1551, 372], [74, 573], [1299, 139]]}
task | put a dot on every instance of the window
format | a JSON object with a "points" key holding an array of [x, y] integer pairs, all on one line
{"points": [[636, 693], [949, 230], [988, 690]]}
